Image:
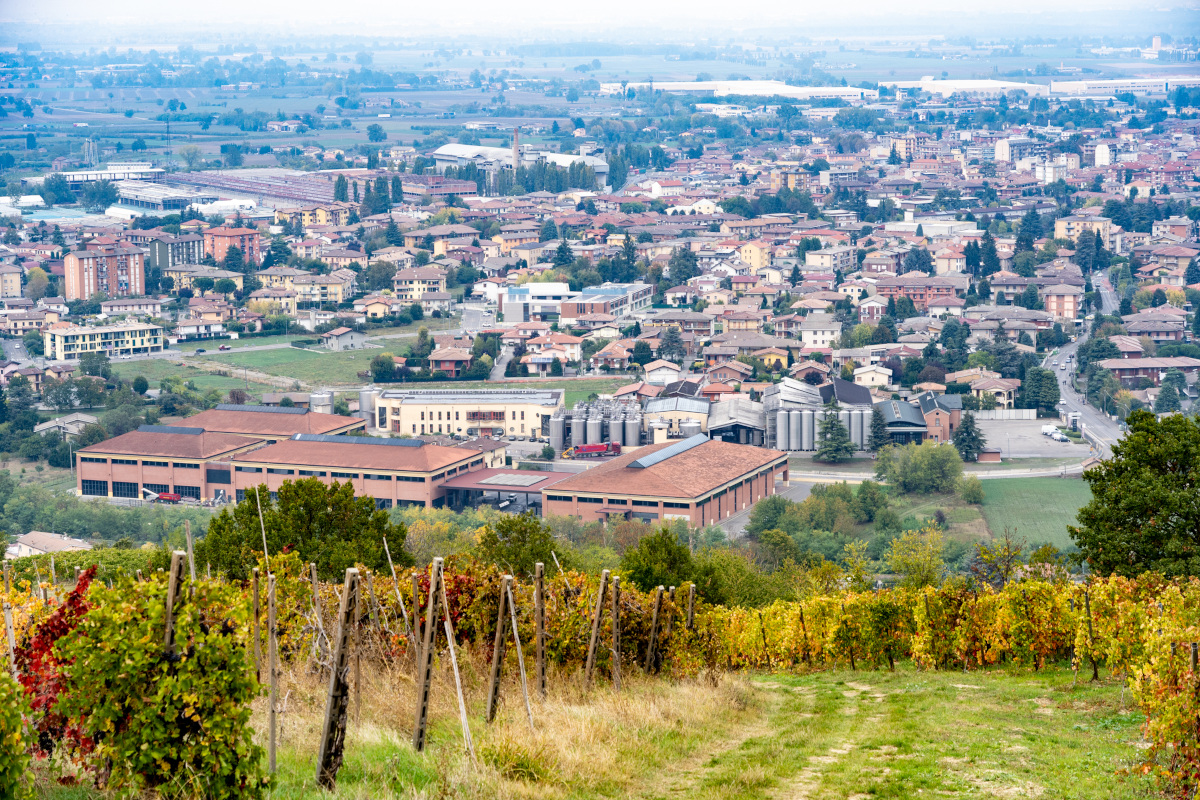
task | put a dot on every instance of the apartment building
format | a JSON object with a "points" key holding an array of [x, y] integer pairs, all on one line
{"points": [[112, 271], [921, 289], [335, 214], [10, 280], [410, 284], [617, 299], [64, 341], [498, 412], [168, 251], [1070, 227], [217, 242], [832, 259]]}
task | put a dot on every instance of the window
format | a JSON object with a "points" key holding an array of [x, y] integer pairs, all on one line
{"points": [[677, 505], [125, 461], [371, 477], [248, 469], [422, 418], [612, 501], [344, 474], [312, 473], [190, 466], [155, 464], [96, 488], [591, 499], [411, 478], [90, 460], [561, 498], [188, 491], [157, 488], [381, 503], [278, 471], [124, 489], [651, 503], [240, 495]]}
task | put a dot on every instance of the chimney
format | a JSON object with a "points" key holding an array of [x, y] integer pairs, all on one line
{"points": [[516, 149]]}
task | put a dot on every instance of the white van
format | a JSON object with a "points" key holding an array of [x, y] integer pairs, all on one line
{"points": [[1049, 430]]}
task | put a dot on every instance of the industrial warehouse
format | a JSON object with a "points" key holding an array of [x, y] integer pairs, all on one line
{"points": [[697, 479]]}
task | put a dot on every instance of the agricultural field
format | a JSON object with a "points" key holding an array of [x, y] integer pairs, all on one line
{"points": [[211, 345], [155, 369], [314, 367], [824, 736], [1037, 510]]}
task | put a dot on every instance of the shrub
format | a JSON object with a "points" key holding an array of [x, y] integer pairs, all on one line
{"points": [[970, 489], [175, 723], [14, 741]]}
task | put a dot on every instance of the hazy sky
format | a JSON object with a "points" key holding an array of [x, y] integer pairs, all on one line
{"points": [[388, 17]]}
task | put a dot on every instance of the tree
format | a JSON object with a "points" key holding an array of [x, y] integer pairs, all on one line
{"points": [[970, 489], [670, 345], [191, 155], [989, 259], [997, 563], [140, 384], [835, 445], [341, 190], [1167, 400], [225, 286], [376, 133], [139, 144], [968, 440], [1040, 389], [324, 524], [1029, 298], [235, 259], [36, 283], [924, 468], [880, 438], [1143, 515], [683, 265], [916, 556], [659, 559], [642, 354], [203, 284], [556, 368], [1159, 298], [516, 543], [549, 231], [894, 157], [95, 363]]}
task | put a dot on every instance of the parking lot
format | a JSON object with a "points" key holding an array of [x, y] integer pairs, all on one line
{"points": [[1023, 439]]}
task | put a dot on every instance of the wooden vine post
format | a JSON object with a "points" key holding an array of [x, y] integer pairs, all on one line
{"points": [[493, 697], [616, 631], [12, 641], [7, 578], [1087, 609], [333, 731], [595, 638], [425, 655], [512, 613], [257, 611], [658, 593], [468, 742], [539, 615], [174, 585], [691, 612], [272, 665], [191, 550], [320, 638], [396, 586]]}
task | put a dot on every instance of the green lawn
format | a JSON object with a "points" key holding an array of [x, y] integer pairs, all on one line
{"points": [[1035, 509]]}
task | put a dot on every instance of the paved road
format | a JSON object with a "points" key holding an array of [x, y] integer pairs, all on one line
{"points": [[14, 350], [497, 373], [735, 526], [1095, 423]]}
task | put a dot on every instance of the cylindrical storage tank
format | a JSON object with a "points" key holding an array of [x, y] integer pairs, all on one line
{"points": [[557, 427], [616, 430], [795, 424], [633, 431], [782, 438], [844, 418], [595, 431], [366, 404], [756, 438], [807, 430], [743, 436], [320, 402], [578, 429], [856, 422], [689, 428]]}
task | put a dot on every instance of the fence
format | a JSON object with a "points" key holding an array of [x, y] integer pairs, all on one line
{"points": [[1007, 413]]}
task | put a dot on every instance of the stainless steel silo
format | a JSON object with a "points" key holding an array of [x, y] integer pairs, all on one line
{"points": [[782, 437], [807, 430]]}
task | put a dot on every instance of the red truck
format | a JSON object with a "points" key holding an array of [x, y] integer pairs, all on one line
{"points": [[593, 450]]}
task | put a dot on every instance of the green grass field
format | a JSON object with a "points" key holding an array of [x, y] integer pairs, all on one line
{"points": [[211, 345], [155, 369], [832, 735], [1036, 509], [316, 367]]}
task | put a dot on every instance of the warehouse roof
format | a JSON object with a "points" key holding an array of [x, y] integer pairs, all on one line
{"points": [[692, 473], [271, 422], [353, 452], [170, 442]]}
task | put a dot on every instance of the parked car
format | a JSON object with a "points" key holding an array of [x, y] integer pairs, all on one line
{"points": [[224, 347], [201, 350]]}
